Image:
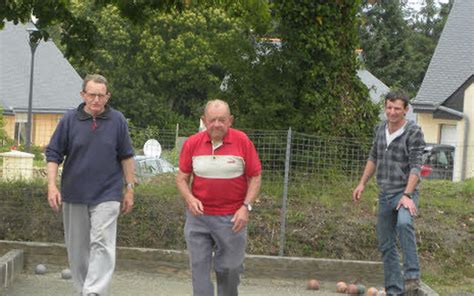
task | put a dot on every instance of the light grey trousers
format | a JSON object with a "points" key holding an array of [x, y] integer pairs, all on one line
{"points": [[209, 234], [90, 234]]}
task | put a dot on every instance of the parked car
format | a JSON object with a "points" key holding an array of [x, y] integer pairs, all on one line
{"points": [[147, 166], [438, 162]]}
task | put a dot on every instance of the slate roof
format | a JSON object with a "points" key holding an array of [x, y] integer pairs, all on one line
{"points": [[378, 90], [452, 63], [56, 84]]}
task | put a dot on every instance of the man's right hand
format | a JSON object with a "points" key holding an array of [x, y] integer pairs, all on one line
{"points": [[357, 193], [195, 206], [54, 197]]}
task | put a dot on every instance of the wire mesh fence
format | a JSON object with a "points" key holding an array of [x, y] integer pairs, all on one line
{"points": [[296, 167]]}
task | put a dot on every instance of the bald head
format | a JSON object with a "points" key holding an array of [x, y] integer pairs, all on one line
{"points": [[216, 104], [217, 119]]}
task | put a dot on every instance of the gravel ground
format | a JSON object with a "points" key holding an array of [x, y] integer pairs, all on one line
{"points": [[126, 283]]}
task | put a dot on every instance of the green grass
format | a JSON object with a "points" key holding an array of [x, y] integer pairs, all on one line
{"points": [[322, 221]]}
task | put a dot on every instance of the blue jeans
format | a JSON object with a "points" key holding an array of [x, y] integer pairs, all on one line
{"points": [[390, 223]]}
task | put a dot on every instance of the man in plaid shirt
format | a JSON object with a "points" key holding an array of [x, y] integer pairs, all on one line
{"points": [[396, 157]]}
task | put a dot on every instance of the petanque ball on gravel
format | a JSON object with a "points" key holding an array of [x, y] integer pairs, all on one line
{"points": [[341, 287], [313, 284], [372, 292], [352, 289], [40, 269], [66, 274]]}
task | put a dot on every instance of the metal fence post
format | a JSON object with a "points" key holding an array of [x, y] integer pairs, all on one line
{"points": [[285, 194], [176, 137]]}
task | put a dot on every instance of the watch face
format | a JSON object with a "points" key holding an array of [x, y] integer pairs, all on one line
{"points": [[249, 207]]}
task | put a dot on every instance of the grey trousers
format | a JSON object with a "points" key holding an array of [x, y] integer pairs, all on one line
{"points": [[90, 234], [211, 241]]}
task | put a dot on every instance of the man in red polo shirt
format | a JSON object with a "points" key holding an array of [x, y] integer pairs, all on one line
{"points": [[225, 170]]}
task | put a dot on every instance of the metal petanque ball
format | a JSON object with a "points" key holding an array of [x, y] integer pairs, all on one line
{"points": [[352, 289], [312, 284], [372, 292], [66, 274], [341, 287], [40, 269]]}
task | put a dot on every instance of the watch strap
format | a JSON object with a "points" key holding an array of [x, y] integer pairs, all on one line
{"points": [[248, 206]]}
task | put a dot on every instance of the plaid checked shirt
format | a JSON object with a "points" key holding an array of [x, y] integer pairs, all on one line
{"points": [[402, 157]]}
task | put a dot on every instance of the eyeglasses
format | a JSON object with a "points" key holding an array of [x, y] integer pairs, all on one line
{"points": [[92, 96]]}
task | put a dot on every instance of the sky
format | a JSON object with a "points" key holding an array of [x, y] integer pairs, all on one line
{"points": [[417, 4]]}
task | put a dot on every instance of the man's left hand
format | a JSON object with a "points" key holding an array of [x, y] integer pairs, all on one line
{"points": [[240, 219], [408, 204], [127, 202]]}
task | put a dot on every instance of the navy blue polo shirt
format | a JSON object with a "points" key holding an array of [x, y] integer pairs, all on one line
{"points": [[92, 151]]}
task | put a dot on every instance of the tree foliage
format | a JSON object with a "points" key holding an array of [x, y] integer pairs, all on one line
{"points": [[398, 43], [165, 59], [319, 42], [163, 70]]}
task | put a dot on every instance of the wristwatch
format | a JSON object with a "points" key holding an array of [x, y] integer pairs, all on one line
{"points": [[130, 186], [408, 194], [248, 206]]}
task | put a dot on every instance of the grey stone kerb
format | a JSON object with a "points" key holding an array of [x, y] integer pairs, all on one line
{"points": [[256, 266], [11, 264]]}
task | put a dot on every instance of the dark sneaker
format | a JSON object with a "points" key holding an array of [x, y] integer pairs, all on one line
{"points": [[412, 287]]}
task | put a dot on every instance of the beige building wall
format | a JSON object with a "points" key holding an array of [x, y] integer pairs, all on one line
{"points": [[432, 127], [469, 111], [9, 127], [432, 130], [44, 126]]}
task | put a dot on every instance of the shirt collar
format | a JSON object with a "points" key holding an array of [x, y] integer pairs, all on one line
{"points": [[83, 115], [228, 139]]}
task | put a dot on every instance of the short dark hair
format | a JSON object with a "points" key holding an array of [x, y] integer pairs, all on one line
{"points": [[97, 78], [397, 95]]}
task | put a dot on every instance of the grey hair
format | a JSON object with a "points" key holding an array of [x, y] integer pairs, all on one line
{"points": [[216, 102], [96, 78]]}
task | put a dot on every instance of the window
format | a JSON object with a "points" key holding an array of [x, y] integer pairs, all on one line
{"points": [[20, 128]]}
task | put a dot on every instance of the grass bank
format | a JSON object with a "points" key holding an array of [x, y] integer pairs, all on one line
{"points": [[321, 221]]}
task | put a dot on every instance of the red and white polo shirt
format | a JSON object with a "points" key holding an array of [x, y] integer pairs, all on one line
{"points": [[220, 173]]}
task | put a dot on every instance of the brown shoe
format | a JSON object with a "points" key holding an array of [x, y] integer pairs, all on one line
{"points": [[412, 287]]}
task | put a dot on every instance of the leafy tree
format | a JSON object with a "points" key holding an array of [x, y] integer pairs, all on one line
{"points": [[319, 39], [398, 43], [78, 33], [165, 60], [164, 69]]}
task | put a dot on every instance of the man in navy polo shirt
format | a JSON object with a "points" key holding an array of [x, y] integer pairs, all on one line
{"points": [[225, 171], [95, 143]]}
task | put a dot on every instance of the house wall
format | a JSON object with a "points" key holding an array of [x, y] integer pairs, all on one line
{"points": [[43, 127], [432, 130], [9, 127], [469, 111], [432, 127]]}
